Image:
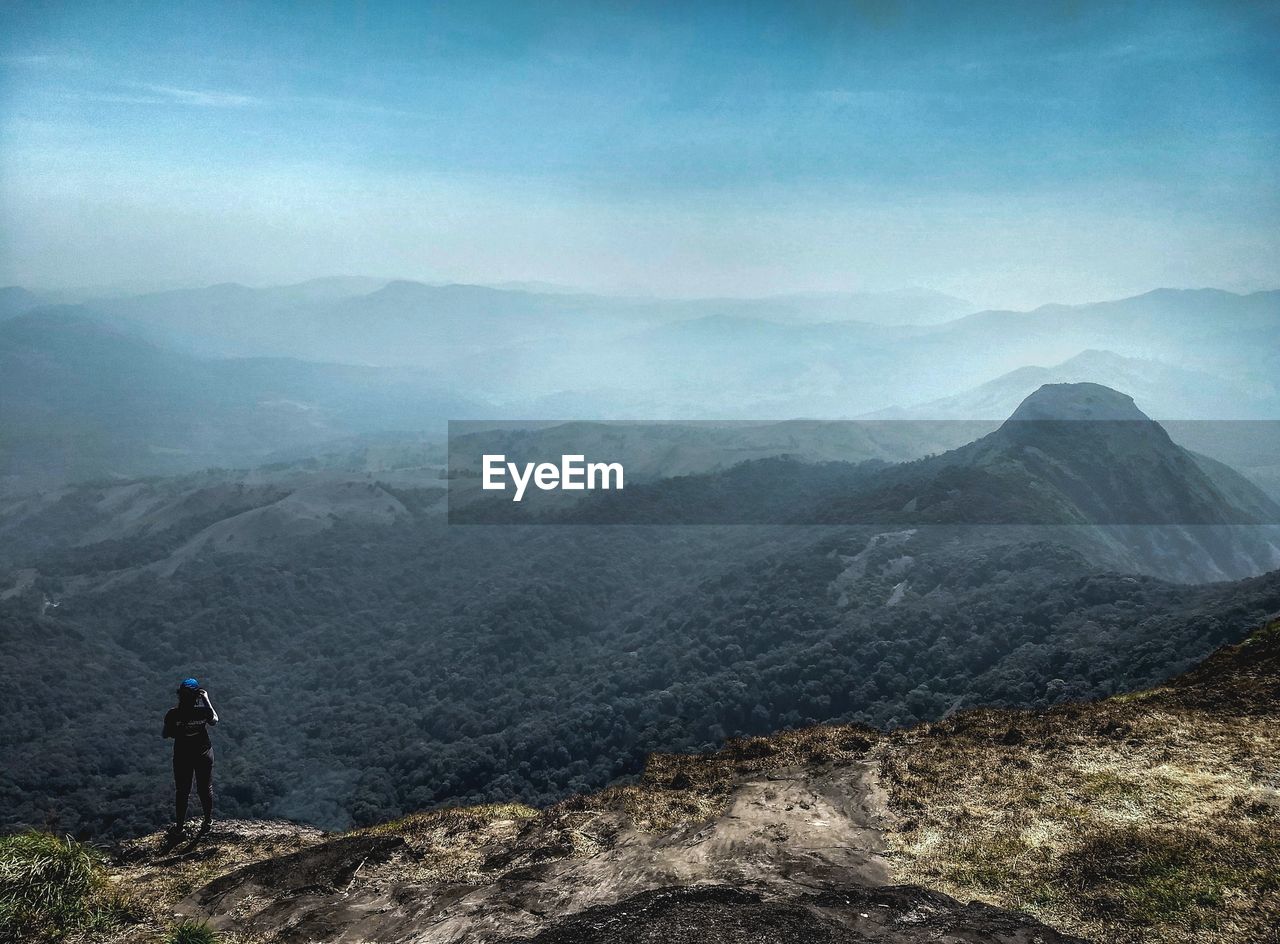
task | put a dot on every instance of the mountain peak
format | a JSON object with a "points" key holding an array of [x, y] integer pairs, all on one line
{"points": [[1078, 401], [1099, 358]]}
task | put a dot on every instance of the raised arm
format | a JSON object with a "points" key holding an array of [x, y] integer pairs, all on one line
{"points": [[213, 715]]}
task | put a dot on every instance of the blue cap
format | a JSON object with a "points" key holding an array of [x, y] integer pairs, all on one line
{"points": [[189, 683]]}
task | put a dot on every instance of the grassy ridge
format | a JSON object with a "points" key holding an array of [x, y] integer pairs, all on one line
{"points": [[1153, 817]]}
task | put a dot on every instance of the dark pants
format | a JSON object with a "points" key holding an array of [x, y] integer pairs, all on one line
{"points": [[185, 764]]}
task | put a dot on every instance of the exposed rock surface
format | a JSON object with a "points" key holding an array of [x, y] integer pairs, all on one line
{"points": [[796, 853], [901, 914]]}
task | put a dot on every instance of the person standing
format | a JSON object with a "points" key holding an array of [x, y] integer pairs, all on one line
{"points": [[188, 725]]}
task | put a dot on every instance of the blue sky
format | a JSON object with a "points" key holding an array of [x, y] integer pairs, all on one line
{"points": [[1012, 153]]}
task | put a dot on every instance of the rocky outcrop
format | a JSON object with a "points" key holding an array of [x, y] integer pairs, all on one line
{"points": [[900, 914], [777, 839]]}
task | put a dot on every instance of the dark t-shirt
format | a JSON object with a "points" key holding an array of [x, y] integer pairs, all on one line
{"points": [[187, 728]]}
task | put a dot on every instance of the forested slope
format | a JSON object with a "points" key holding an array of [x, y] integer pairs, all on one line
{"points": [[531, 662]]}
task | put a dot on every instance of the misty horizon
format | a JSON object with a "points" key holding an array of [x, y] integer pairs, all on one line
{"points": [[1006, 157], [81, 294]]}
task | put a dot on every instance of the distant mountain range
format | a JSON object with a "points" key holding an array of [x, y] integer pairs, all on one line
{"points": [[1080, 459], [80, 398], [179, 380], [1202, 411], [1105, 480], [1057, 427], [1077, 453], [1163, 391], [399, 322], [15, 301], [738, 364], [765, 358]]}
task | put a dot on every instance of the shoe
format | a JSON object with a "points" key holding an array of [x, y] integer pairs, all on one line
{"points": [[206, 825], [173, 836]]}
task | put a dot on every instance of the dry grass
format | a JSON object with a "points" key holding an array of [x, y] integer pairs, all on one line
{"points": [[453, 844], [678, 789], [453, 820], [152, 879], [1147, 818]]}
